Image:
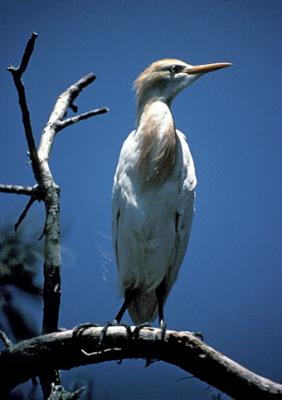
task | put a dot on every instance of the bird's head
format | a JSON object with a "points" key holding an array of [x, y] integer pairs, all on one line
{"points": [[164, 79]]}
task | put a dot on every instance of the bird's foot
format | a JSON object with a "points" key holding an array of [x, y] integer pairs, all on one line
{"points": [[162, 326], [79, 329], [138, 328], [113, 323]]}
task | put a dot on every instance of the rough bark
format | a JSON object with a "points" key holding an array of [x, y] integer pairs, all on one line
{"points": [[65, 350]]}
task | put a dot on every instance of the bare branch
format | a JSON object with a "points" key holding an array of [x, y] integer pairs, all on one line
{"points": [[27, 54], [24, 212], [62, 350], [17, 189], [64, 102], [73, 120], [48, 191], [17, 75], [7, 342]]}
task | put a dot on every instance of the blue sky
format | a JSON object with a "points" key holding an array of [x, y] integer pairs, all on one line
{"points": [[229, 286]]}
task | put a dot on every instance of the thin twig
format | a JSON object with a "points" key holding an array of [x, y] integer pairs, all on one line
{"points": [[7, 342], [17, 75], [73, 120], [43, 232], [24, 212], [35, 193], [17, 189]]}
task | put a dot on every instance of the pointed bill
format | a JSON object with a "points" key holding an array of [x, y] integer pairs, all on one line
{"points": [[202, 69]]}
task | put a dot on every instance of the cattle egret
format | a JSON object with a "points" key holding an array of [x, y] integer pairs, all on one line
{"points": [[153, 193]]}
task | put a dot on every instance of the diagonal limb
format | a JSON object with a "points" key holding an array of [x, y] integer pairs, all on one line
{"points": [[24, 212], [17, 73]]}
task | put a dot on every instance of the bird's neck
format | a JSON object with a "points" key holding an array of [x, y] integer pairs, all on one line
{"points": [[157, 141]]}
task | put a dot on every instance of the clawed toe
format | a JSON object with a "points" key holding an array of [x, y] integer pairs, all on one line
{"points": [[104, 331], [79, 329], [138, 328], [113, 323], [163, 330]]}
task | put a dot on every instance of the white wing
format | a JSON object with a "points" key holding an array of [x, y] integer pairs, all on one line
{"points": [[185, 206], [117, 198]]}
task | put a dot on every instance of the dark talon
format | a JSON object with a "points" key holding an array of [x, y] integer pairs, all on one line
{"points": [[104, 331], [138, 328], [128, 330], [78, 330], [113, 323]]}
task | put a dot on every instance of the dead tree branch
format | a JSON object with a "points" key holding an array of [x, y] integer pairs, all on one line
{"points": [[62, 350], [17, 73], [77, 118], [56, 122], [17, 189], [47, 190]]}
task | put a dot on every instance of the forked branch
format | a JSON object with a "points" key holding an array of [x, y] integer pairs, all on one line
{"points": [[46, 189], [17, 73]]}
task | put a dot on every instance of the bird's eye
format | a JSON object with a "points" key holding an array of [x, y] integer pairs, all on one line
{"points": [[174, 69]]}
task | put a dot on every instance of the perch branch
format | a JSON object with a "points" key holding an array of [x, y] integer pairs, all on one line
{"points": [[17, 189], [62, 350]]}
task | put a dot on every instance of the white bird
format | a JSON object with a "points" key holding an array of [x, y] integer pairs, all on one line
{"points": [[153, 193]]}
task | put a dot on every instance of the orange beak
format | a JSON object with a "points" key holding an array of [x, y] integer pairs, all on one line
{"points": [[202, 69]]}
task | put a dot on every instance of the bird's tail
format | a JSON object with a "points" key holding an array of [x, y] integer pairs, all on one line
{"points": [[143, 308]]}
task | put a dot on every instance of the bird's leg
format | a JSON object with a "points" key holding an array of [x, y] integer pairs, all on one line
{"points": [[128, 297], [160, 293], [78, 330], [127, 300]]}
